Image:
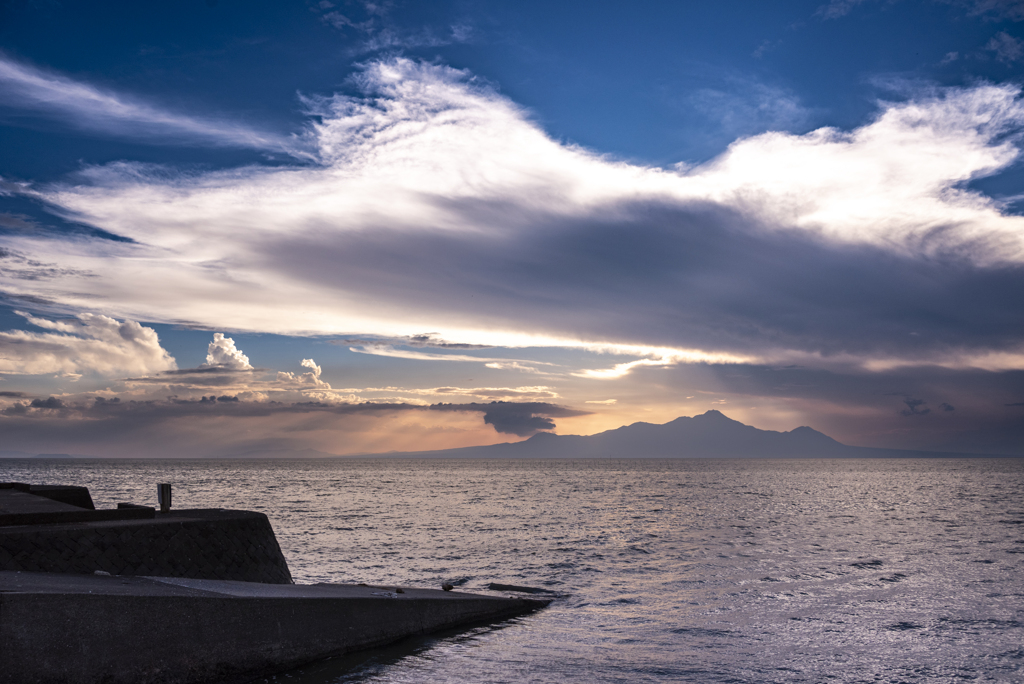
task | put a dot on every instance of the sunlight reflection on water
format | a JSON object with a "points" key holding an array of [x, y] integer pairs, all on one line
{"points": [[669, 570]]}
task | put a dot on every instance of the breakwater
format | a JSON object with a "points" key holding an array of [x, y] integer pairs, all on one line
{"points": [[41, 532], [137, 596], [81, 629]]}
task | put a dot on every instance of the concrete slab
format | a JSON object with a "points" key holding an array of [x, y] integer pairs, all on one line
{"points": [[82, 629]]}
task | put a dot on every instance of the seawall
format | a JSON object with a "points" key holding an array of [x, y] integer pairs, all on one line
{"points": [[77, 629], [197, 543]]}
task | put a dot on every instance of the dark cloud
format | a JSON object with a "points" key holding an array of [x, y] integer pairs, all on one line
{"points": [[12, 395], [697, 276], [207, 370], [17, 223], [522, 424], [212, 376], [48, 403], [23, 268], [915, 407], [946, 407], [515, 418]]}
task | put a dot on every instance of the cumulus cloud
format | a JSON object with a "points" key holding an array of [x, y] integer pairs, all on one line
{"points": [[91, 343], [222, 353], [89, 107], [438, 204], [301, 380], [228, 371]]}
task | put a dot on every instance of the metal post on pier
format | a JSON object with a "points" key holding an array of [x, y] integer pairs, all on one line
{"points": [[163, 495]]}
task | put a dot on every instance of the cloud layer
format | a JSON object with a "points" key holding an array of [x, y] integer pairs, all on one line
{"points": [[90, 344], [224, 425], [437, 204]]}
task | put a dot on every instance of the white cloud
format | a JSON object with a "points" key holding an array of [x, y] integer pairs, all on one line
{"points": [[438, 204], [90, 344], [532, 392], [1007, 48], [89, 107], [304, 380], [749, 106], [995, 9], [222, 353], [663, 357], [497, 364], [895, 183], [512, 365]]}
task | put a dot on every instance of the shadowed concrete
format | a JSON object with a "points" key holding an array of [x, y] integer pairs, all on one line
{"points": [[81, 629], [199, 543]]}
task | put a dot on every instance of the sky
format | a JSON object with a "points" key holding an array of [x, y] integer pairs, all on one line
{"points": [[352, 227]]}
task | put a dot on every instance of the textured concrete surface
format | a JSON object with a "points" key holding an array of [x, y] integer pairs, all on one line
{"points": [[77, 629], [72, 495], [198, 543]]}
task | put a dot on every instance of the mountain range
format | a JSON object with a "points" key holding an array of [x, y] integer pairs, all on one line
{"points": [[708, 435]]}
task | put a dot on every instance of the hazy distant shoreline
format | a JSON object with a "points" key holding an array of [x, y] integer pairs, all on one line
{"points": [[711, 435]]}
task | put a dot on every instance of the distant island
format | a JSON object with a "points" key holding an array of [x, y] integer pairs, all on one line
{"points": [[708, 435]]}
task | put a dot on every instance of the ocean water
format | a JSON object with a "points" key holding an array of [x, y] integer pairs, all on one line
{"points": [[666, 570]]}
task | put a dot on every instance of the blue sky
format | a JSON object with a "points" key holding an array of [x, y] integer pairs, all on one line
{"points": [[798, 213]]}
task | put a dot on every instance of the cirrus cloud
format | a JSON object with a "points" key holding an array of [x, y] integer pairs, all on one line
{"points": [[85, 106]]}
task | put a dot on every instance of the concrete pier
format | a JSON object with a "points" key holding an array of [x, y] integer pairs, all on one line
{"points": [[135, 596], [82, 629], [56, 529]]}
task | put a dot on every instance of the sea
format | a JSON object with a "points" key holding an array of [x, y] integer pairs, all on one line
{"points": [[755, 570]]}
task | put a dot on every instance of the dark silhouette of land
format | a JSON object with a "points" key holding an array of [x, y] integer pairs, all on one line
{"points": [[709, 435]]}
